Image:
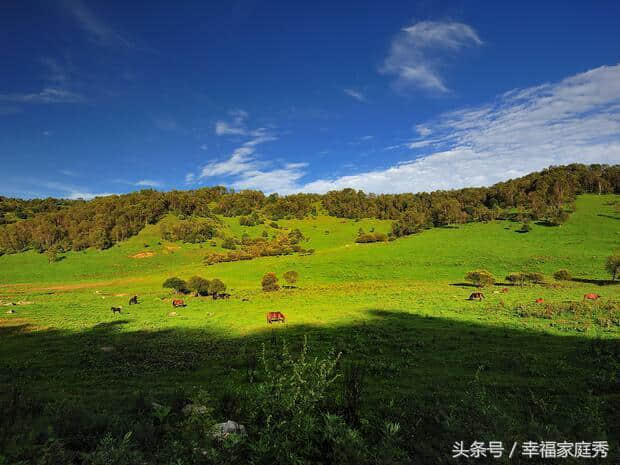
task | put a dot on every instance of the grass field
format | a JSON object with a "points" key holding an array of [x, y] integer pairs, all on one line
{"points": [[398, 307]]}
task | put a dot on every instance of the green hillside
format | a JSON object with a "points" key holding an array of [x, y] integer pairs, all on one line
{"points": [[399, 308]]}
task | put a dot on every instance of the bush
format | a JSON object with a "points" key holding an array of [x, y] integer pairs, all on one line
{"points": [[291, 277], [175, 283], [229, 243], [270, 282], [534, 277], [480, 278], [612, 266], [525, 227], [199, 285], [562, 275], [371, 237], [516, 278], [217, 286]]}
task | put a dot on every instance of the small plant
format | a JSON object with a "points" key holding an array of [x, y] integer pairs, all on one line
{"points": [[291, 277], [179, 285], [612, 266], [480, 278], [229, 244], [562, 275], [270, 282]]}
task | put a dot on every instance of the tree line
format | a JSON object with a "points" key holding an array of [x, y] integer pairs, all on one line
{"points": [[78, 224]]}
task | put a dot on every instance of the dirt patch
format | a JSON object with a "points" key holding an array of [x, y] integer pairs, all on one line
{"points": [[143, 255]]}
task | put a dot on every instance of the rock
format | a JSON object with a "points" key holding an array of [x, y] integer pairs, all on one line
{"points": [[107, 348], [222, 430], [173, 314]]}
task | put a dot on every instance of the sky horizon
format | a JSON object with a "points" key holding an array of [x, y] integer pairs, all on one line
{"points": [[104, 98]]}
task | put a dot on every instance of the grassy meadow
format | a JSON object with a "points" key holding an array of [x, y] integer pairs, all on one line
{"points": [[522, 371]]}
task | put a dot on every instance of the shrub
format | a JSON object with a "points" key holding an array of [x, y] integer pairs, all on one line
{"points": [[562, 275], [217, 286], [534, 277], [291, 277], [612, 266], [199, 285], [371, 237], [480, 278], [229, 243], [270, 282], [175, 283], [525, 227], [516, 278]]}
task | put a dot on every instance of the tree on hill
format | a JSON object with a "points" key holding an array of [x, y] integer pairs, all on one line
{"points": [[480, 278], [612, 265], [270, 282], [200, 286], [217, 286], [175, 283], [291, 277]]}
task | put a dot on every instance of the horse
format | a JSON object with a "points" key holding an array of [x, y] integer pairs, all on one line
{"points": [[275, 316], [133, 300], [476, 295], [591, 296], [178, 303], [116, 309], [540, 300]]}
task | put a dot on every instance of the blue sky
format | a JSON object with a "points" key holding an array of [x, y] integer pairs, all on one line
{"points": [[105, 97]]}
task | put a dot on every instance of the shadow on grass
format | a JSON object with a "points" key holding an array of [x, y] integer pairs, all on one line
{"points": [[425, 363], [598, 282], [609, 216]]}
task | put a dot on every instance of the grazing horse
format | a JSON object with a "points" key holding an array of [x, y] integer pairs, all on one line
{"points": [[133, 300], [116, 309], [178, 303], [275, 316], [540, 300], [505, 290], [476, 295], [591, 296]]}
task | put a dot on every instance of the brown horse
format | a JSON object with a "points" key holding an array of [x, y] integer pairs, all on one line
{"points": [[275, 316], [476, 296], [591, 296], [540, 300], [178, 303]]}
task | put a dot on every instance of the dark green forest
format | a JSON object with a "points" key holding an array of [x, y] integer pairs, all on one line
{"points": [[64, 225]]}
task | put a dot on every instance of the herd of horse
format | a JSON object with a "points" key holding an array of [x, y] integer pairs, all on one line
{"points": [[278, 317], [479, 296]]}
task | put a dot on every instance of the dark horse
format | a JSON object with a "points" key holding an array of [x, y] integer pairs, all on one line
{"points": [[476, 296], [116, 309], [133, 300]]}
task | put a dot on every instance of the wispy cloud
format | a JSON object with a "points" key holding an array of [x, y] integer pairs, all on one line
{"points": [[241, 160], [355, 94], [96, 29], [576, 120], [47, 95], [234, 127], [148, 183], [68, 191], [417, 53]]}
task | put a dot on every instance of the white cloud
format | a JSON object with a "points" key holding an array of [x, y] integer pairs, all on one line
{"points": [[234, 127], [355, 94], [204, 147], [241, 160], [148, 183], [47, 95], [416, 53], [282, 180], [576, 120], [94, 27]]}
